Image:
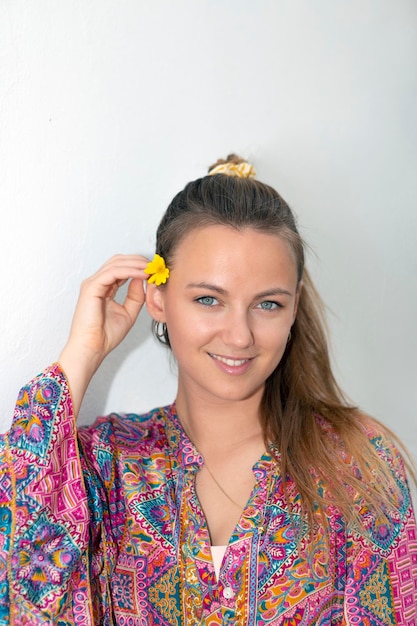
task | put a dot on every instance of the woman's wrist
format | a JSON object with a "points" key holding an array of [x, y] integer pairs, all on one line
{"points": [[79, 368]]}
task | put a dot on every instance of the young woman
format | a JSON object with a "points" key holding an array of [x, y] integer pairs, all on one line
{"points": [[259, 497]]}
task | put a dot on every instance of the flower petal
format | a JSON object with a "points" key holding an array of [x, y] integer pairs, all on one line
{"points": [[158, 270]]}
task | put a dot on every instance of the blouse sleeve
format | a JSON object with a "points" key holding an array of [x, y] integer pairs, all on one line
{"points": [[51, 514], [381, 585]]}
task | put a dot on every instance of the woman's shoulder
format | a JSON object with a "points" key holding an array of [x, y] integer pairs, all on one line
{"points": [[365, 449], [366, 428], [127, 438], [386, 443], [127, 430]]}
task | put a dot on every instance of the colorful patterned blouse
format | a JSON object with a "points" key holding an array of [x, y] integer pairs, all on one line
{"points": [[105, 527]]}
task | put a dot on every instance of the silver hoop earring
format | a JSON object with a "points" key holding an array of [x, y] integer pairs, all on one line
{"points": [[161, 330]]}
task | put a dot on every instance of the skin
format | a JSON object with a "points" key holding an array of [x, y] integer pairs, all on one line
{"points": [[100, 323], [229, 305]]}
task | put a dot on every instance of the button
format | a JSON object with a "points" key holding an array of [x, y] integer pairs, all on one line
{"points": [[228, 593]]}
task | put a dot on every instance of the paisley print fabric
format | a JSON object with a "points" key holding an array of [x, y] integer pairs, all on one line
{"points": [[104, 527]]}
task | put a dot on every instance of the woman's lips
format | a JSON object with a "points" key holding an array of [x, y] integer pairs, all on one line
{"points": [[230, 364]]}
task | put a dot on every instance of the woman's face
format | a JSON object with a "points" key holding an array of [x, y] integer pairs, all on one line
{"points": [[229, 305]]}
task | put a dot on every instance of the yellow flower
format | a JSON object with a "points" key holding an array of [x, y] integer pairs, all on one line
{"points": [[158, 270]]}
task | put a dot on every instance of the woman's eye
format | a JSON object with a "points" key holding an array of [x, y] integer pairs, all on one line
{"points": [[268, 305], [207, 300]]}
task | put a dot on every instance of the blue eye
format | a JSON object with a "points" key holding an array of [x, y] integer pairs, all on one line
{"points": [[269, 305], [207, 300]]}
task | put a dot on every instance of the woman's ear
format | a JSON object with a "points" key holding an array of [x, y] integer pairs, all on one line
{"points": [[155, 302]]}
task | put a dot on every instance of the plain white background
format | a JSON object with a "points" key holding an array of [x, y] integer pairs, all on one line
{"points": [[107, 108]]}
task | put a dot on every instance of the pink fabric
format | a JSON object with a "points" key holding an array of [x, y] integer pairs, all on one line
{"points": [[105, 527]]}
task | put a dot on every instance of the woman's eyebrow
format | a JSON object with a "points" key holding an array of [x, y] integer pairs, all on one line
{"points": [[276, 291], [209, 286]]}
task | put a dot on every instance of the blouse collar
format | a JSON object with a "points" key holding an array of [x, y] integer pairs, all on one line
{"points": [[187, 455]]}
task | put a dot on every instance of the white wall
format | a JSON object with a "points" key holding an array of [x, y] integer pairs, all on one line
{"points": [[109, 107]]}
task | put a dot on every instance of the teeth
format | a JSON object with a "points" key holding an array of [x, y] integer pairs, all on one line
{"points": [[230, 362]]}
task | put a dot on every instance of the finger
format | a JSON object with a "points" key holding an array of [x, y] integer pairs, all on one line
{"points": [[110, 278], [135, 261], [135, 298]]}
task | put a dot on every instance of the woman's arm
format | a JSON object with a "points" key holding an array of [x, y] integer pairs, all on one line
{"points": [[382, 562], [100, 323]]}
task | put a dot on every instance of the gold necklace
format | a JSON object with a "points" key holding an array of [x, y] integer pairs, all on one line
{"points": [[239, 506]]}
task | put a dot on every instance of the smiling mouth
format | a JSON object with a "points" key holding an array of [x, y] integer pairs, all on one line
{"points": [[229, 362]]}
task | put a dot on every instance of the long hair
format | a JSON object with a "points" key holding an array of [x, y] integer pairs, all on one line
{"points": [[322, 443]]}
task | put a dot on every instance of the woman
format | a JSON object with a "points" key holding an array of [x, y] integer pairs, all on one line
{"points": [[258, 497]]}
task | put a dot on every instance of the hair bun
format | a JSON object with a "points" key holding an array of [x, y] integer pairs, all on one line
{"points": [[233, 165]]}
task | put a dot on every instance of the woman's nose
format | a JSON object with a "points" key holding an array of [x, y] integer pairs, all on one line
{"points": [[238, 331]]}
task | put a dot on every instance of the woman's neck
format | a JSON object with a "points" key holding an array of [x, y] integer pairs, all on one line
{"points": [[229, 436], [220, 425]]}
